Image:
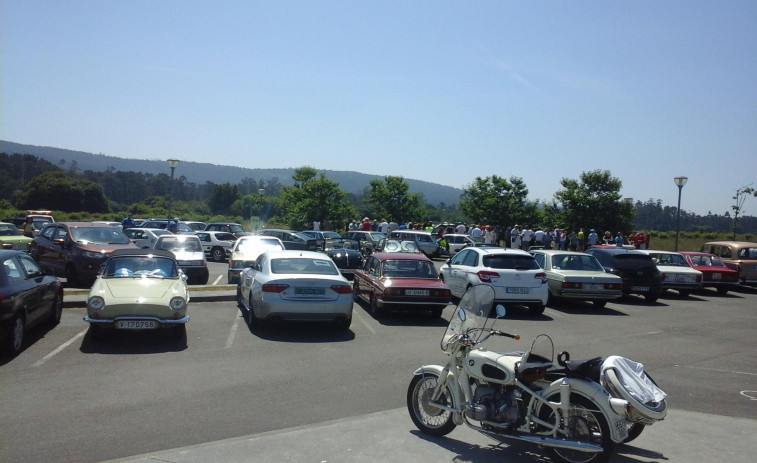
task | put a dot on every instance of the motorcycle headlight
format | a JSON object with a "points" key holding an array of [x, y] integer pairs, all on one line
{"points": [[95, 303], [177, 303]]}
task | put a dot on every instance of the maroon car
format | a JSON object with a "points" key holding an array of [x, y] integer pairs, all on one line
{"points": [[715, 274], [400, 281]]}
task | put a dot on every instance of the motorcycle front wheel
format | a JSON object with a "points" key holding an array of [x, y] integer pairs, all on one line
{"points": [[584, 425], [429, 419]]}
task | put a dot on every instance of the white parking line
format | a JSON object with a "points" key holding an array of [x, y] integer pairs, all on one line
{"points": [[233, 332], [215, 282], [60, 348]]}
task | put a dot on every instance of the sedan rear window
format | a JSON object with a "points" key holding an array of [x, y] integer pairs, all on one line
{"points": [[509, 262], [303, 265], [633, 261]]}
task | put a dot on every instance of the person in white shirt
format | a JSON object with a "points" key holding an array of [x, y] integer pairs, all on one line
{"points": [[383, 226], [515, 237], [525, 238], [475, 234], [461, 228], [539, 237], [489, 236]]}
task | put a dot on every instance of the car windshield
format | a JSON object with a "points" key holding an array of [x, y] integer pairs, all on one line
{"points": [[706, 261], [8, 229], [504, 261], [576, 262], [341, 244], [400, 246], [253, 245], [303, 265], [408, 269], [99, 235], [673, 260], [233, 228], [140, 266], [180, 245]]}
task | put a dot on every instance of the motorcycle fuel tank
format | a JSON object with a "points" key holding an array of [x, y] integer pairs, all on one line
{"points": [[494, 367]]}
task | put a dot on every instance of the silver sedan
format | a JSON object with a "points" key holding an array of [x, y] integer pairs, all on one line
{"points": [[295, 285]]}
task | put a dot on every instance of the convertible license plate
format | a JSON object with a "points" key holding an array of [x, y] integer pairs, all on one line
{"points": [[593, 286], [136, 324], [716, 276], [517, 290], [416, 292], [640, 288], [309, 291]]}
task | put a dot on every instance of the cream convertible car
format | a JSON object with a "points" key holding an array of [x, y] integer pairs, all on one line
{"points": [[138, 289]]}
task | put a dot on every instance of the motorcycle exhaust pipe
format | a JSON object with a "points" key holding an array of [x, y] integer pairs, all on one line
{"points": [[544, 441]]}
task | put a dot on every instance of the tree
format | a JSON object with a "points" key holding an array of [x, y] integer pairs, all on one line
{"points": [[314, 198], [56, 190], [594, 201], [497, 201], [222, 198], [390, 200], [741, 196]]}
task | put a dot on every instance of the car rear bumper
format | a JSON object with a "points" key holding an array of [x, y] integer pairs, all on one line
{"points": [[589, 295]]}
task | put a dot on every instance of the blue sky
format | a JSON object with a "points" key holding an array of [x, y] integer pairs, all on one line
{"points": [[440, 91]]}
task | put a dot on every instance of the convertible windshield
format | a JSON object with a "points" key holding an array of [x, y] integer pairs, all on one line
{"points": [[104, 235], [138, 266], [472, 312]]}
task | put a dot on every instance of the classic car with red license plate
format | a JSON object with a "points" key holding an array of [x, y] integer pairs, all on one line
{"points": [[400, 281]]}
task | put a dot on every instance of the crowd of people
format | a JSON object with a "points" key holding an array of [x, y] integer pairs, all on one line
{"points": [[518, 237]]}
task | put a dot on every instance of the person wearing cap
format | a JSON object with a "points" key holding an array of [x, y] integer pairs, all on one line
{"points": [[128, 221], [366, 225]]}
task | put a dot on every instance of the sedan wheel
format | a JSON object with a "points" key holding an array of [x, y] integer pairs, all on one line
{"points": [[217, 254], [14, 336], [376, 311], [56, 310], [599, 304]]}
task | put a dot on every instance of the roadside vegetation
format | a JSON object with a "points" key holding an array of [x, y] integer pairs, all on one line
{"points": [[591, 201]]}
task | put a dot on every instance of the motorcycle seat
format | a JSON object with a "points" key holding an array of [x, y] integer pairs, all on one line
{"points": [[589, 368]]}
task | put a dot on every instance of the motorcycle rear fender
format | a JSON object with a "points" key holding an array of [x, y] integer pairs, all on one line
{"points": [[597, 395], [457, 394]]}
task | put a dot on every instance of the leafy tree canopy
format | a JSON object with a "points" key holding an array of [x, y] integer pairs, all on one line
{"points": [[497, 201], [390, 200], [314, 198], [594, 201], [57, 190]]}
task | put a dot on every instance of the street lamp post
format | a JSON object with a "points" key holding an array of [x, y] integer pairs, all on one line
{"points": [[680, 182], [173, 164], [261, 192]]}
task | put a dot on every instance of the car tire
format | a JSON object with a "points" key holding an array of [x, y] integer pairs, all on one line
{"points": [[72, 277], [684, 293], [437, 312], [722, 291], [56, 310], [651, 298], [599, 304], [376, 311], [253, 321], [14, 335], [536, 309], [240, 304], [344, 323], [217, 254]]}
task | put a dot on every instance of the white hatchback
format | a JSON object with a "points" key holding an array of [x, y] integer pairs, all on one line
{"points": [[514, 275]]}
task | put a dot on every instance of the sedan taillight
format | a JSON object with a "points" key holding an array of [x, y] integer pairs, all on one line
{"points": [[342, 289], [487, 277], [542, 276], [274, 288]]}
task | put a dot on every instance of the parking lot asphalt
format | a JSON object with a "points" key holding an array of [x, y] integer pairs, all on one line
{"points": [[390, 436]]}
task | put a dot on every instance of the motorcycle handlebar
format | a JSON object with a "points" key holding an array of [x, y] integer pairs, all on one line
{"points": [[508, 335]]}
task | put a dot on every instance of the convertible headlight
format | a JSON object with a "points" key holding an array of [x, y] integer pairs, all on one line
{"points": [[95, 303], [93, 255], [177, 303]]}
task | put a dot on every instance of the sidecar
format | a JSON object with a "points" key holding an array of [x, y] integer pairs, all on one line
{"points": [[627, 380]]}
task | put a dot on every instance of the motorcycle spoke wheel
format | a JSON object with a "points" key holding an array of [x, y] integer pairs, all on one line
{"points": [[429, 419]]}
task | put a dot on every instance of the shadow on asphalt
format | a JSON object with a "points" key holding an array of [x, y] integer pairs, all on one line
{"points": [[117, 342], [300, 332]]}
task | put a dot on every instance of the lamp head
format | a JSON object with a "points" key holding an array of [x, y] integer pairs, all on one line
{"points": [[680, 181]]}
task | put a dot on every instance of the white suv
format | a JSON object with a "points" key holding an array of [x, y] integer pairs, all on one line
{"points": [[514, 275]]}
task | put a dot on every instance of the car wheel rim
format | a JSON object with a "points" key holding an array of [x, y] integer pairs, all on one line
{"points": [[18, 334]]}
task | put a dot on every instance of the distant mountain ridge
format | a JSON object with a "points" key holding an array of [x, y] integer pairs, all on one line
{"points": [[199, 173]]}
